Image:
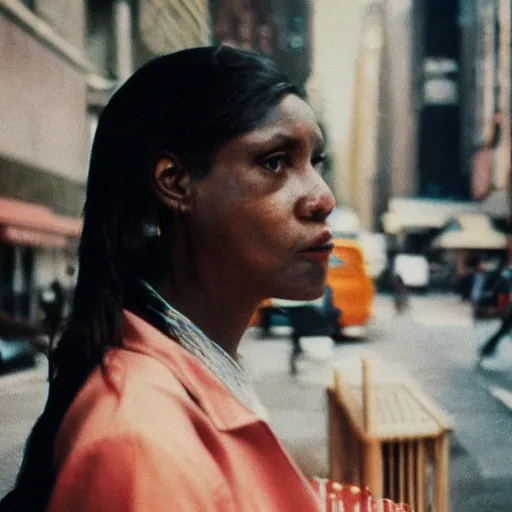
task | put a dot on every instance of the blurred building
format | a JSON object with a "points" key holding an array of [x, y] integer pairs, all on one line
{"points": [[335, 58], [485, 151], [419, 126], [442, 110], [60, 63], [459, 118], [415, 97], [43, 144], [280, 29]]}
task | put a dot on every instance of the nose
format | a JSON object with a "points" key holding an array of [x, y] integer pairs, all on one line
{"points": [[317, 203]]}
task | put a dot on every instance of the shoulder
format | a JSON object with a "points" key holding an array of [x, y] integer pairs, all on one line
{"points": [[131, 472], [133, 394]]}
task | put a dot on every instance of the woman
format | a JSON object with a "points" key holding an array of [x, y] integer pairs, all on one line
{"points": [[204, 197]]}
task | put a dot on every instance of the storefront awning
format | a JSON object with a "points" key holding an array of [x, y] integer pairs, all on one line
{"points": [[403, 222], [415, 214], [21, 236], [24, 223], [473, 231], [485, 240]]}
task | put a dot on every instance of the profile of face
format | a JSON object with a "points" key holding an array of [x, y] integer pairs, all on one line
{"points": [[258, 220]]}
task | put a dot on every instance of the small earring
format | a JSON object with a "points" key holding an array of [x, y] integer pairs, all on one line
{"points": [[151, 230]]}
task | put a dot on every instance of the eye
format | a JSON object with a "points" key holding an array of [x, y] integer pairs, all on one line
{"points": [[274, 163], [318, 162]]}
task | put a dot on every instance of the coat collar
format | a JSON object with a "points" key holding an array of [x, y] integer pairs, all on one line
{"points": [[224, 409]]}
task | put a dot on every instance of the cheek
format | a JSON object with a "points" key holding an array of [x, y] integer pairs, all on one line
{"points": [[268, 225], [248, 220], [267, 236]]}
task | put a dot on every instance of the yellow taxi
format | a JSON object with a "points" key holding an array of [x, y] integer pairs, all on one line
{"points": [[352, 288]]}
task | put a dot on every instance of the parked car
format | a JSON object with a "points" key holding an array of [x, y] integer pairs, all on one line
{"points": [[351, 287], [16, 354], [18, 341]]}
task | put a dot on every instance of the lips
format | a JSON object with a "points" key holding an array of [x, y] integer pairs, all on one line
{"points": [[320, 249], [321, 244]]}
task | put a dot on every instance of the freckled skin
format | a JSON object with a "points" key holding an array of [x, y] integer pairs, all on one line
{"points": [[249, 223]]}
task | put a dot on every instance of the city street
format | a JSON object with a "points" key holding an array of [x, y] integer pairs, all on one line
{"points": [[435, 342]]}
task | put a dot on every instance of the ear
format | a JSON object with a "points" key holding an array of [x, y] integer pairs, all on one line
{"points": [[172, 183]]}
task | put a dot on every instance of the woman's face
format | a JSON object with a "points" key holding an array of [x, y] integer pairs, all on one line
{"points": [[258, 221]]}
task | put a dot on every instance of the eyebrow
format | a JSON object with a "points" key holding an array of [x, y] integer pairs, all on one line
{"points": [[291, 142]]}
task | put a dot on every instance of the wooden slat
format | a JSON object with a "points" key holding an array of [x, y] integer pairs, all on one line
{"points": [[411, 488], [391, 470], [442, 469], [335, 442], [373, 468], [396, 413], [368, 398], [401, 472], [420, 477]]}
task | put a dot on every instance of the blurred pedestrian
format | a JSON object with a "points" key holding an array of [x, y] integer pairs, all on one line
{"points": [[504, 286], [478, 282], [52, 302], [400, 294], [489, 286]]}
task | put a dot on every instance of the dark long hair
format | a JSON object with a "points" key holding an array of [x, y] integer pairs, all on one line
{"points": [[188, 103]]}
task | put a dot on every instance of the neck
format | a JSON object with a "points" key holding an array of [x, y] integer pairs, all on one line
{"points": [[222, 316]]}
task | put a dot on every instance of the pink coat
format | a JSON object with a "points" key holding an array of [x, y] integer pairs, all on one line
{"points": [[162, 433]]}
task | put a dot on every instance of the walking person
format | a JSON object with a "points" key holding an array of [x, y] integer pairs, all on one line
{"points": [[503, 290], [400, 295], [52, 302], [204, 197]]}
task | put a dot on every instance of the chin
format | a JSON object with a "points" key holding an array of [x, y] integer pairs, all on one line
{"points": [[298, 284], [302, 293]]}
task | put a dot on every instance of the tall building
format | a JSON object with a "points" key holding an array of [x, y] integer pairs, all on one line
{"points": [[485, 65], [440, 171], [336, 38], [451, 144]]}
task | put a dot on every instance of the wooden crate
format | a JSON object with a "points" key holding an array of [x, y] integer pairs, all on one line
{"points": [[390, 437]]}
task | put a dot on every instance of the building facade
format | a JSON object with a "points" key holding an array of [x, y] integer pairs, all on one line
{"points": [[43, 145], [60, 63], [485, 151], [448, 127], [335, 44]]}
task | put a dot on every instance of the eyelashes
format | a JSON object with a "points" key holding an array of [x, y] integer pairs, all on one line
{"points": [[318, 159], [275, 163], [278, 162]]}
